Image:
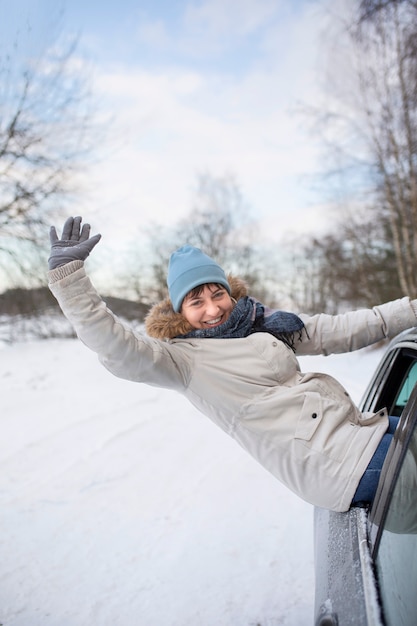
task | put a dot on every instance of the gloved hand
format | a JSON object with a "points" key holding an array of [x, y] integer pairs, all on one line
{"points": [[74, 245]]}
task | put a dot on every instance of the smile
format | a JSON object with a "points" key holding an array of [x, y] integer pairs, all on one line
{"points": [[212, 322]]}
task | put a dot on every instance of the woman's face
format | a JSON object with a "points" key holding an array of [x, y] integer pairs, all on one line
{"points": [[207, 307]]}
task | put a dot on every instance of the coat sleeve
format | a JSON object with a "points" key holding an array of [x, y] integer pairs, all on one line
{"points": [[124, 352], [332, 334]]}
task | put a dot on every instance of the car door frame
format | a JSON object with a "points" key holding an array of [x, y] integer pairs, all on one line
{"points": [[359, 531]]}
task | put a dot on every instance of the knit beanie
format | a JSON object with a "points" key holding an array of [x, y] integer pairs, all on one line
{"points": [[189, 267]]}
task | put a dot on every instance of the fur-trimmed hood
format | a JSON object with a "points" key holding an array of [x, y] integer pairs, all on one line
{"points": [[163, 323]]}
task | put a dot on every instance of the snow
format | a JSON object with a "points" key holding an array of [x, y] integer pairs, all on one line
{"points": [[122, 505]]}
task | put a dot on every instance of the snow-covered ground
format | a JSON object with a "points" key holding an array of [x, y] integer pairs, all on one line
{"points": [[122, 506]]}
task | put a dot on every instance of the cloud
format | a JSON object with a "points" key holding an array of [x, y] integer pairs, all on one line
{"points": [[154, 33], [211, 29], [229, 20], [176, 120]]}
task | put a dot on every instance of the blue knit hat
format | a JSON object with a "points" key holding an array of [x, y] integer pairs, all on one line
{"points": [[189, 268]]}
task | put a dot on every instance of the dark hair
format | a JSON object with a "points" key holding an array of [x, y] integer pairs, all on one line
{"points": [[194, 293]]}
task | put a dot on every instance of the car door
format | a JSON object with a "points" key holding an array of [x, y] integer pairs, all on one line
{"points": [[393, 516], [366, 559]]}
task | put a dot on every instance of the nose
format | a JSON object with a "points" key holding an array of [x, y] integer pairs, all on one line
{"points": [[212, 308]]}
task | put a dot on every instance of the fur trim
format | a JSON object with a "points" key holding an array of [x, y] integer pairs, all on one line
{"points": [[163, 323]]}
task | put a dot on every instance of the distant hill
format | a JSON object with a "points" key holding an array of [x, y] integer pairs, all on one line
{"points": [[35, 301]]}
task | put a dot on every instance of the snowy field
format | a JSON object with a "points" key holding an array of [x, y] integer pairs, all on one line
{"points": [[123, 506]]}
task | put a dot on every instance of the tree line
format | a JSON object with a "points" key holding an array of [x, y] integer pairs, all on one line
{"points": [[369, 127]]}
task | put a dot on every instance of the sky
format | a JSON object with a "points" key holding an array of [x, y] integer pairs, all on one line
{"points": [[188, 87]]}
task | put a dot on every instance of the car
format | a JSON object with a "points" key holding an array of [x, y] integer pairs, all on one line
{"points": [[366, 558]]}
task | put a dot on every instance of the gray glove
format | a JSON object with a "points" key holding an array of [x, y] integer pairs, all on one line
{"points": [[74, 245]]}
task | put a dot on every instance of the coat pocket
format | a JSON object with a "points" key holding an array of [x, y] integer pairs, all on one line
{"points": [[310, 416]]}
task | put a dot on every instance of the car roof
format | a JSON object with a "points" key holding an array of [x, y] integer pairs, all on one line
{"points": [[409, 335]]}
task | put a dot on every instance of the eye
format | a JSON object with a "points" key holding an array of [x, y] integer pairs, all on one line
{"points": [[219, 294]]}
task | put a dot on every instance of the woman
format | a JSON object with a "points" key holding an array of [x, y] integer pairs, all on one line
{"points": [[235, 360]]}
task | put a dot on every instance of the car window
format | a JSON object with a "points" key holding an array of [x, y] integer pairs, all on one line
{"points": [[405, 390], [396, 560], [392, 383]]}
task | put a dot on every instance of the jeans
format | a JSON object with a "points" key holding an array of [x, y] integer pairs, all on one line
{"points": [[366, 490]]}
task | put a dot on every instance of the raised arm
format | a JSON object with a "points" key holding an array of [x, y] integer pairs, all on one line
{"points": [[122, 351], [332, 334]]}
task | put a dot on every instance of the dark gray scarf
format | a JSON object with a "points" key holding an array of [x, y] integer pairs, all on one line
{"points": [[250, 316]]}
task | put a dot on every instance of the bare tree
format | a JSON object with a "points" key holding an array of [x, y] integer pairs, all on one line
{"points": [[44, 119], [370, 123], [368, 9], [350, 265], [388, 81], [220, 223]]}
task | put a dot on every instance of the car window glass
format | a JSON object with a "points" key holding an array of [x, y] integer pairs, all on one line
{"points": [[406, 389], [397, 554]]}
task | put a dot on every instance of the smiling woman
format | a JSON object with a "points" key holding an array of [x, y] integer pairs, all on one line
{"points": [[236, 361], [207, 306], [189, 268]]}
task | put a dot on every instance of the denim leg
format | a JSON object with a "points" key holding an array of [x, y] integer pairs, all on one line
{"points": [[393, 423], [369, 482]]}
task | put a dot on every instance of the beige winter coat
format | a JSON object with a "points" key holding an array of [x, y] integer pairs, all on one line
{"points": [[302, 427]]}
